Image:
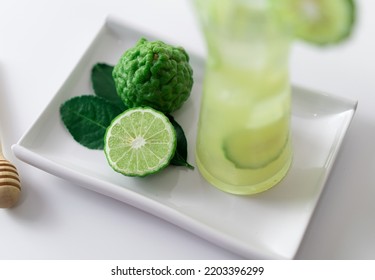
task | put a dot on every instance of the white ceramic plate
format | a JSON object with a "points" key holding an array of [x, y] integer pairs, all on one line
{"points": [[268, 225]]}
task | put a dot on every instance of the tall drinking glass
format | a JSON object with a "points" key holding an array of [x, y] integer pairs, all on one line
{"points": [[243, 141]]}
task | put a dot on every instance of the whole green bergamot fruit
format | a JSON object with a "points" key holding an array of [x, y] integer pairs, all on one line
{"points": [[154, 74]]}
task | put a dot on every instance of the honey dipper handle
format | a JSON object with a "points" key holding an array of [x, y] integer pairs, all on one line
{"points": [[1, 149], [10, 186]]}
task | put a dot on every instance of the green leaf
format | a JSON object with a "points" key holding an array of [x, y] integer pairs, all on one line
{"points": [[104, 85], [180, 156], [87, 117]]}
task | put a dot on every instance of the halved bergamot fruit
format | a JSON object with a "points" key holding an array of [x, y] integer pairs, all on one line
{"points": [[139, 142]]}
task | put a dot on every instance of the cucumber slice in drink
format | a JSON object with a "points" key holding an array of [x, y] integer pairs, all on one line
{"points": [[318, 22], [256, 148], [139, 142]]}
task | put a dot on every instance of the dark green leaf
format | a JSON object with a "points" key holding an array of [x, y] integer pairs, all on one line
{"points": [[87, 117], [180, 156], [104, 85]]}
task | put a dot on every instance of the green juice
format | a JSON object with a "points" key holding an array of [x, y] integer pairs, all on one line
{"points": [[243, 142]]}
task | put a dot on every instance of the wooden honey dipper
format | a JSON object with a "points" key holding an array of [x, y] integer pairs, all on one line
{"points": [[10, 186]]}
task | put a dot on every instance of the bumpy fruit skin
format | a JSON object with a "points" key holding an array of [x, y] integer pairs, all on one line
{"points": [[154, 74]]}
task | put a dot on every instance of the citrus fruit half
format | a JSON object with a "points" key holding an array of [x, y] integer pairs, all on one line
{"points": [[139, 142]]}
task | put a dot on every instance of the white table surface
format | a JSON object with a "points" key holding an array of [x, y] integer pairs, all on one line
{"points": [[40, 43]]}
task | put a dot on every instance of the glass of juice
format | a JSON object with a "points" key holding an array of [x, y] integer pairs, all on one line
{"points": [[243, 141]]}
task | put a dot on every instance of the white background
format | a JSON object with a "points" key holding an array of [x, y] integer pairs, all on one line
{"points": [[40, 43]]}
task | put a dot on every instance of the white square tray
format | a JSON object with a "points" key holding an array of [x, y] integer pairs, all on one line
{"points": [[269, 225]]}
